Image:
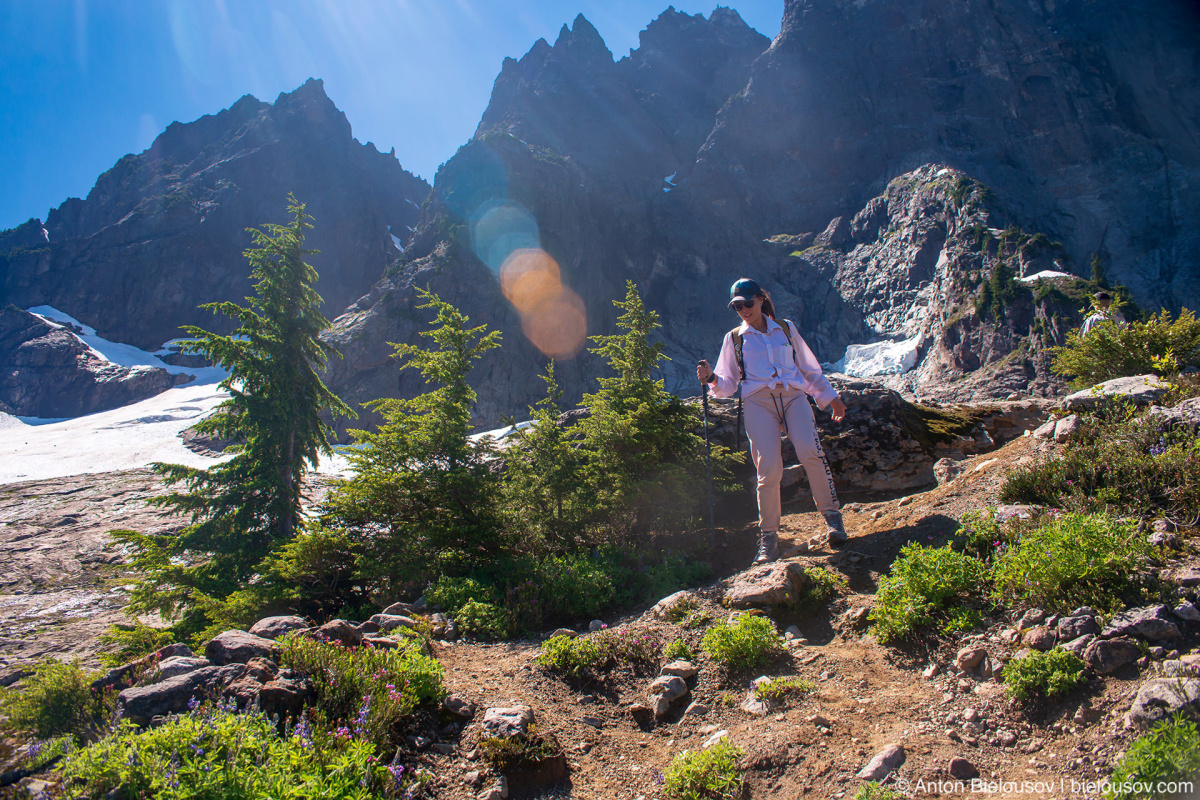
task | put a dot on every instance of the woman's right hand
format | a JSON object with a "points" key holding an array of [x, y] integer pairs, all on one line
{"points": [[703, 371]]}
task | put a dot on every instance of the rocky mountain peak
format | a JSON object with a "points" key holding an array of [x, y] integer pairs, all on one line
{"points": [[311, 103], [582, 44]]}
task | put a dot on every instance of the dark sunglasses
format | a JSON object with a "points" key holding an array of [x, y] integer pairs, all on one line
{"points": [[738, 305]]}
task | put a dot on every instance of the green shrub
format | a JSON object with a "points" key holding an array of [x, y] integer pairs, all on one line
{"points": [[366, 688], [922, 583], [823, 584], [684, 606], [625, 646], [451, 594], [572, 656], [979, 534], [1168, 753], [482, 620], [746, 642], [508, 753], [710, 774], [1051, 674], [697, 619], [215, 753], [779, 688], [1120, 463], [1072, 560], [57, 700], [873, 790], [1111, 350], [678, 648], [131, 642]]}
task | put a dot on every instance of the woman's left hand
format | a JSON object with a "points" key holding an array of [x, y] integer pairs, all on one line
{"points": [[838, 409]]}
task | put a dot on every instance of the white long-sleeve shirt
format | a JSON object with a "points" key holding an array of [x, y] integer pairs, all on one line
{"points": [[771, 364]]}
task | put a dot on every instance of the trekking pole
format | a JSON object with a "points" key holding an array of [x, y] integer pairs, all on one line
{"points": [[712, 532]]}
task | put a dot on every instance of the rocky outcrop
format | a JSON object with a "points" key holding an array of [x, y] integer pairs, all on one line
{"points": [[47, 371], [163, 230]]}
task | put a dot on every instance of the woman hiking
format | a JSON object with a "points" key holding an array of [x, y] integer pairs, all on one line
{"points": [[777, 372]]}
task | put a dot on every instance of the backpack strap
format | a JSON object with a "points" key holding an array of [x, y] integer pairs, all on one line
{"points": [[736, 333]]}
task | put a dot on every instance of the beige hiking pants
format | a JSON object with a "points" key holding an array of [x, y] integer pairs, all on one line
{"points": [[768, 413]]}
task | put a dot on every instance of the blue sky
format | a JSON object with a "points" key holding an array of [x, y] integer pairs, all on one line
{"points": [[83, 82]]}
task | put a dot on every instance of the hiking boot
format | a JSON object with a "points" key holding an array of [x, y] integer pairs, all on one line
{"points": [[768, 547], [834, 529]]}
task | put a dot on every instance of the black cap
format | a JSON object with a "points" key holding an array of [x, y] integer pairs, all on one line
{"points": [[1102, 296], [743, 289]]}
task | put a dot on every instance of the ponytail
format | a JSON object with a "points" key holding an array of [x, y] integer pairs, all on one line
{"points": [[768, 307]]}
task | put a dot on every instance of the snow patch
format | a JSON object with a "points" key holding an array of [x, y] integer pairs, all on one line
{"points": [[1046, 275], [879, 358], [396, 241], [125, 355]]}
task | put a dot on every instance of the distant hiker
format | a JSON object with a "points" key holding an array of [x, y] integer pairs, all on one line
{"points": [[1103, 312], [776, 372]]}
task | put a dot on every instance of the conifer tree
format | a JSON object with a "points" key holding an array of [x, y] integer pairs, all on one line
{"points": [[243, 508], [423, 488], [645, 462]]}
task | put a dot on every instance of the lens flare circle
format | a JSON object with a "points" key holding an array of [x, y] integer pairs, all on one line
{"points": [[501, 227], [529, 277], [558, 327]]}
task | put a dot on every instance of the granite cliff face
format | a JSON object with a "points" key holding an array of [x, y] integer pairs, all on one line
{"points": [[1083, 116], [164, 230]]}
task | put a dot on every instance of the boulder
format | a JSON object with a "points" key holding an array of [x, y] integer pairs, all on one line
{"points": [[946, 470], [885, 761], [238, 647], [1106, 656], [126, 675], [770, 584], [1039, 637], [389, 622], [1186, 414], [1066, 427], [962, 769], [285, 696], [1071, 628], [1150, 622], [275, 627], [1046, 430], [341, 631], [664, 606], [1159, 698], [459, 706], [142, 703], [178, 665], [1142, 390], [671, 687], [507, 721], [1187, 612]]}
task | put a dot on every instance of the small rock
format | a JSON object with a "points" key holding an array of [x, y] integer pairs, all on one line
{"points": [[570, 634], [962, 769], [660, 705], [696, 709], [642, 714], [1006, 737], [1032, 617], [932, 671], [819, 721], [178, 665], [946, 470], [1106, 656], [1045, 430], [390, 622], [904, 501], [507, 721], [1079, 645], [970, 715], [716, 737], [792, 632], [444, 748], [680, 668], [591, 719], [473, 778], [1149, 622], [1159, 698], [1039, 638], [664, 606], [1165, 539], [459, 706], [771, 584], [968, 658], [596, 625], [1187, 612], [884, 762], [1074, 626], [671, 687]]}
